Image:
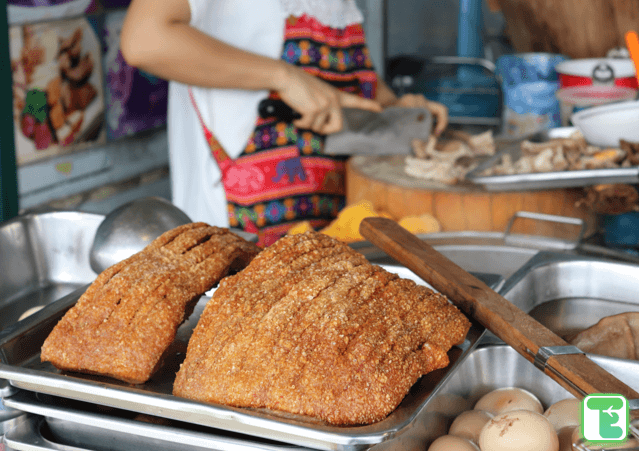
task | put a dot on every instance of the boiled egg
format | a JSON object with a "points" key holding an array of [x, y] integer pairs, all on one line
{"points": [[519, 430], [564, 413], [469, 424], [452, 443], [507, 399], [565, 436]]}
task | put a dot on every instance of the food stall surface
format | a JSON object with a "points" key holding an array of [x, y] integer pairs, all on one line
{"points": [[49, 262]]}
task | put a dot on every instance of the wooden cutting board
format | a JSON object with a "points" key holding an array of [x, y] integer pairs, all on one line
{"points": [[381, 180]]}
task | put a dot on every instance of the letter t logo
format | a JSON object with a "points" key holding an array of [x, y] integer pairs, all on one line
{"points": [[604, 418]]}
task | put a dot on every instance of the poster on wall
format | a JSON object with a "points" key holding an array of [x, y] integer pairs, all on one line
{"points": [[31, 11], [58, 92], [112, 4], [135, 100]]}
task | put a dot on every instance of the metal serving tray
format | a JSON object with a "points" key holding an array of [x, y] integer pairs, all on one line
{"points": [[497, 366], [545, 180], [88, 426], [20, 355], [568, 293], [84, 425], [42, 258]]}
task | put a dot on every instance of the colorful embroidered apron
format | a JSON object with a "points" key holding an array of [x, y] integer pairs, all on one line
{"points": [[282, 176]]}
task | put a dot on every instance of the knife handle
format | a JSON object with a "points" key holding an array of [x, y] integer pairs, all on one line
{"points": [[277, 108]]}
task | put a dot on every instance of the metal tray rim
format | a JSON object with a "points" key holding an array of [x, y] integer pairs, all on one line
{"points": [[545, 258], [557, 179], [545, 180], [124, 398], [28, 402]]}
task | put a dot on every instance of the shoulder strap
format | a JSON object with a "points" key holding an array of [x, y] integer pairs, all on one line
{"points": [[217, 151]]}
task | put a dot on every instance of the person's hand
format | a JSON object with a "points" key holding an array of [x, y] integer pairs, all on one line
{"points": [[438, 110], [319, 103]]}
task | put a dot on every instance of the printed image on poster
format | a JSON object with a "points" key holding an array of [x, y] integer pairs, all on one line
{"points": [[30, 11], [135, 100], [58, 94]]}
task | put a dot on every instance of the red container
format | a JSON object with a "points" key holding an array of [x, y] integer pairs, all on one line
{"points": [[599, 71]]}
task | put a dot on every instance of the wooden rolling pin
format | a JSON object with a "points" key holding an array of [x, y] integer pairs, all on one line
{"points": [[575, 372]]}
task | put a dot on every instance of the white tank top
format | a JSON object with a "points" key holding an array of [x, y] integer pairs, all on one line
{"points": [[333, 13]]}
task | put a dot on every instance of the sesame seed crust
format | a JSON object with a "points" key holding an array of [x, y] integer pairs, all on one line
{"points": [[310, 327], [126, 319]]}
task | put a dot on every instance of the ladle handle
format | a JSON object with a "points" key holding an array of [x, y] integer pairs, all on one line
{"points": [[576, 372]]}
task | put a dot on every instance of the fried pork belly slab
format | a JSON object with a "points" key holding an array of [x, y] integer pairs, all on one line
{"points": [[121, 326], [310, 327]]}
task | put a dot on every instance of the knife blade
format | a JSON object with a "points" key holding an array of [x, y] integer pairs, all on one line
{"points": [[390, 132]]}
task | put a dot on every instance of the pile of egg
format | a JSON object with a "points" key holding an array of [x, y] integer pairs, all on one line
{"points": [[513, 419]]}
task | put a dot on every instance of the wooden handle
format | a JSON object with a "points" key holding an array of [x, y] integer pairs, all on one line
{"points": [[576, 373]]}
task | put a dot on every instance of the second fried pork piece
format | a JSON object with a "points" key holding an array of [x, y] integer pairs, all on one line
{"points": [[310, 327], [123, 323], [265, 284], [267, 342]]}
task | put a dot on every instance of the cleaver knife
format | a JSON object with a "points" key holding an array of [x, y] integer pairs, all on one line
{"points": [[390, 132]]}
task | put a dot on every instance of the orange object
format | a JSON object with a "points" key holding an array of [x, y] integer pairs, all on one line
{"points": [[346, 226], [420, 224], [301, 227], [632, 42]]}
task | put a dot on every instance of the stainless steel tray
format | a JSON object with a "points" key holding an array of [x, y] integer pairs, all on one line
{"points": [[61, 422], [85, 425], [568, 293], [496, 366], [9, 417], [35, 434], [550, 180], [20, 355], [545, 180], [42, 258]]}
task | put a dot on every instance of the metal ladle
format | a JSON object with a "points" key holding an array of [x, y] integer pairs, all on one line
{"points": [[130, 228]]}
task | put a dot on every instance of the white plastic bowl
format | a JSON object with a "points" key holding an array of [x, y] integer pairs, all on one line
{"points": [[605, 125]]}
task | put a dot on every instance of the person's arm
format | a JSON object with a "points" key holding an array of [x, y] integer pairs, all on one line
{"points": [[386, 97], [384, 94], [158, 38]]}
